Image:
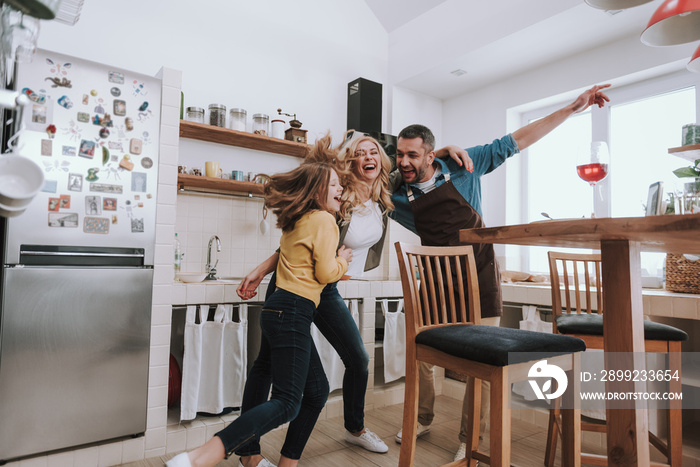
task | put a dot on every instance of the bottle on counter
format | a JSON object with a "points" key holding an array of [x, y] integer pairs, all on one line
{"points": [[178, 256]]}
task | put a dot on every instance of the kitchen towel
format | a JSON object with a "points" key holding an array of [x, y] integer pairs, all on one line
{"points": [[394, 341], [214, 360], [332, 364]]}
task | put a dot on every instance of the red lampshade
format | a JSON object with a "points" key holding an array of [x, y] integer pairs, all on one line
{"points": [[674, 22], [694, 63], [615, 4]]}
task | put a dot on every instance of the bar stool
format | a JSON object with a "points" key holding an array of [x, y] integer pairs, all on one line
{"points": [[580, 276], [443, 312]]}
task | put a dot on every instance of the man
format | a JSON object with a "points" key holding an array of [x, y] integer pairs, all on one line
{"points": [[436, 199]]}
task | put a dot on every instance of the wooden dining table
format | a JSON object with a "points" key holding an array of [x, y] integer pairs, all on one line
{"points": [[620, 241]]}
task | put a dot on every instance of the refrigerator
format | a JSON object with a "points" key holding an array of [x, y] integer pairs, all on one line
{"points": [[77, 265]]}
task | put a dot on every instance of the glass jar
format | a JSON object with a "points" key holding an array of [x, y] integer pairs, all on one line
{"points": [[217, 115], [195, 114], [261, 124], [237, 119]]}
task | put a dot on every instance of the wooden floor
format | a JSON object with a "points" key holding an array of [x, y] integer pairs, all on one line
{"points": [[328, 448]]}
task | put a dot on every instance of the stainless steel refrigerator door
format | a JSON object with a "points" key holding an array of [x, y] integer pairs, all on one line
{"points": [[74, 356]]}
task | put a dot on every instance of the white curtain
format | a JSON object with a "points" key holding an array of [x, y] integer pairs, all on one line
{"points": [[332, 364], [214, 360], [394, 341]]}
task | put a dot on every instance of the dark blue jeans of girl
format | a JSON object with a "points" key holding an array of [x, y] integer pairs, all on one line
{"points": [[335, 322], [299, 385]]}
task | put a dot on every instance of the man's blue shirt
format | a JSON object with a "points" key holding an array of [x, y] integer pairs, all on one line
{"points": [[486, 159]]}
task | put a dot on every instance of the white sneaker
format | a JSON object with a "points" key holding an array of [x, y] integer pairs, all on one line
{"points": [[367, 440], [461, 452], [420, 431], [181, 460], [262, 463]]}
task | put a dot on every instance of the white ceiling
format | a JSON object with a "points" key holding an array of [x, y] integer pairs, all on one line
{"points": [[491, 40]]}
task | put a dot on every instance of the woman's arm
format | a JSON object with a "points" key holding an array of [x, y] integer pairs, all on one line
{"points": [[247, 289]]}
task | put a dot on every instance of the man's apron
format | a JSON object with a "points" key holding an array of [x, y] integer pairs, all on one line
{"points": [[439, 215]]}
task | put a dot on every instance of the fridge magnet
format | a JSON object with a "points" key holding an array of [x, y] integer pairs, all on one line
{"points": [[54, 204], [104, 188], [109, 204], [143, 106], [96, 225], [115, 77], [65, 201], [140, 205], [115, 145], [105, 155], [34, 97], [137, 225], [75, 182], [46, 147], [119, 107], [51, 131], [86, 99], [60, 72], [125, 163], [137, 197], [139, 89], [104, 132], [69, 151], [115, 91], [143, 116], [38, 113], [135, 146], [50, 186], [98, 108], [83, 117], [146, 162], [114, 219], [87, 149], [129, 123], [93, 205], [149, 196], [138, 182], [63, 219], [92, 174], [93, 93], [114, 158], [65, 102], [56, 165]]}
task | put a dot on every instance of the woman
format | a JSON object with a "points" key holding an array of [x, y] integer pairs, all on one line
{"points": [[305, 201]]}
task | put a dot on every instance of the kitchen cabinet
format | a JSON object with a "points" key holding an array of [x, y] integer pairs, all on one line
{"points": [[214, 134]]}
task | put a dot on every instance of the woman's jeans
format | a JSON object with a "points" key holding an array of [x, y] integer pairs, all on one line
{"points": [[335, 322], [299, 385]]}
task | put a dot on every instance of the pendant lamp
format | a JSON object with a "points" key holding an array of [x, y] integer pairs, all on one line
{"points": [[694, 63], [615, 4], [674, 22]]}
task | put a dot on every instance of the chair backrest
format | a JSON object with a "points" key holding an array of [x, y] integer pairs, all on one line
{"points": [[440, 285], [577, 277]]}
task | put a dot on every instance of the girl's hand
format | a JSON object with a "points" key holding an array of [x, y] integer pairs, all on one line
{"points": [[346, 253]]}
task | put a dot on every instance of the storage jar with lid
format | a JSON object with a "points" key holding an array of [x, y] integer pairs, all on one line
{"points": [[261, 124], [195, 114], [217, 115], [237, 119]]}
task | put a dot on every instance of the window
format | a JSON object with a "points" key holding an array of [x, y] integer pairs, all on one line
{"points": [[640, 123]]}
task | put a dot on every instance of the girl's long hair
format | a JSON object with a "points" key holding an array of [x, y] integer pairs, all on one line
{"points": [[292, 194], [379, 191]]}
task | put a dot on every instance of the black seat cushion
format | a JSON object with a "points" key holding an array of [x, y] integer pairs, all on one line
{"points": [[592, 325], [491, 345]]}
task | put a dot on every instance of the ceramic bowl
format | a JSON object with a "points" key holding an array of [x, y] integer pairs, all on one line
{"points": [[189, 277], [11, 211], [20, 180]]}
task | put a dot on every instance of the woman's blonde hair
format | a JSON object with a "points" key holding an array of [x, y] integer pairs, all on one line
{"points": [[379, 191], [292, 194]]}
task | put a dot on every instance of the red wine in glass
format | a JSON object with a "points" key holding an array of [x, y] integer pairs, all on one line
{"points": [[593, 172]]}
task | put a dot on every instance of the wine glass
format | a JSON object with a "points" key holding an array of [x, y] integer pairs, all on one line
{"points": [[592, 165]]}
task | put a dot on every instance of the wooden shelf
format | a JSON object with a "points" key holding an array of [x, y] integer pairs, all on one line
{"points": [[217, 185], [690, 152], [215, 134]]}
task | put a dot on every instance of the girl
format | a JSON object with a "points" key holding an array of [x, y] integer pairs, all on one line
{"points": [[304, 201]]}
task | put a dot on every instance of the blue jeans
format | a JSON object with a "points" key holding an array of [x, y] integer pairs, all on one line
{"points": [[335, 322], [299, 385]]}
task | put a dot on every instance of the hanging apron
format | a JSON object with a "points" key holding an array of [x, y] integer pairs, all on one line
{"points": [[439, 215]]}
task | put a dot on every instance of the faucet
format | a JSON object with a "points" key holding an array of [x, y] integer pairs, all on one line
{"points": [[211, 270]]}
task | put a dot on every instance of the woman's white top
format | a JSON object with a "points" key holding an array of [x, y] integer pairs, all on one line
{"points": [[365, 230]]}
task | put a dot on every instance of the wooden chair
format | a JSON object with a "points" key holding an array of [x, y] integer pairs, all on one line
{"points": [[580, 314], [441, 301]]}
